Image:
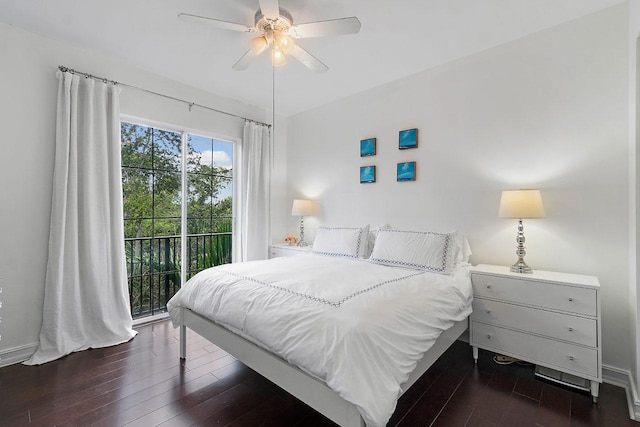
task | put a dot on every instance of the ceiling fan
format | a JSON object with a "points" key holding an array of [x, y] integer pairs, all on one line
{"points": [[274, 28]]}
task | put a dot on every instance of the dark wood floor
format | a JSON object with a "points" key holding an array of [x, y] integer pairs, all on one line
{"points": [[142, 383]]}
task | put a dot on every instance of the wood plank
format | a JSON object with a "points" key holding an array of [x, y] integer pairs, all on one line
{"points": [[143, 382]]}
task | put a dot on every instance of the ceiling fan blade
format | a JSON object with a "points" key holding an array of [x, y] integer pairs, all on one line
{"points": [[270, 9], [217, 23], [330, 27], [245, 61], [309, 60]]}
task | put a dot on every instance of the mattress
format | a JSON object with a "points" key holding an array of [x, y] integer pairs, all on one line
{"points": [[359, 326]]}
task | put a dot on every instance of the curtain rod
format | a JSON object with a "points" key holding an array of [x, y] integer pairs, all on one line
{"points": [[190, 104]]}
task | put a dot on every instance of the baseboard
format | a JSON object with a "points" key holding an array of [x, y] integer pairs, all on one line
{"points": [[623, 378], [19, 354]]}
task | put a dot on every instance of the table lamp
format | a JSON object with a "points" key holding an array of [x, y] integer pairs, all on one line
{"points": [[520, 204], [302, 208]]}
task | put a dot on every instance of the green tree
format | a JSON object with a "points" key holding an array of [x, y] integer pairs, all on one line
{"points": [[152, 185], [152, 192]]}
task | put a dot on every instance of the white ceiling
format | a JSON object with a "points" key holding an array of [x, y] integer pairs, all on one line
{"points": [[398, 38]]}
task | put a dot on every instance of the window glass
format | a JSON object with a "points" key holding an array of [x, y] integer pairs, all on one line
{"points": [[152, 179]]}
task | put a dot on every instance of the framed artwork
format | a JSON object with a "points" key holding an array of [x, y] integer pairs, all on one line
{"points": [[368, 147], [408, 139], [367, 174], [407, 171]]}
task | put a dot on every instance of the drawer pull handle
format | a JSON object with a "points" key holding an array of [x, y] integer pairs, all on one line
{"points": [[570, 299], [488, 311], [488, 336], [570, 329], [572, 358], [488, 286]]}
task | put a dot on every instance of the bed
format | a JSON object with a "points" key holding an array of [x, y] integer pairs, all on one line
{"points": [[345, 335]]}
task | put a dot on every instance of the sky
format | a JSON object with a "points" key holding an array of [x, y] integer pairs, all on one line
{"points": [[214, 152]]}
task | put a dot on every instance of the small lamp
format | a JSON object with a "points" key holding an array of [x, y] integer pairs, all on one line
{"points": [[521, 204], [302, 208]]}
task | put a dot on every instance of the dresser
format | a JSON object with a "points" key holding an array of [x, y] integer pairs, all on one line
{"points": [[546, 318], [284, 249]]}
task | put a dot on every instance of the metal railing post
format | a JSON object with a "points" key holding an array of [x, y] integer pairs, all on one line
{"points": [[167, 268]]}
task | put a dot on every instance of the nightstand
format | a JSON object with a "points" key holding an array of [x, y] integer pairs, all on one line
{"points": [[283, 249], [546, 318]]}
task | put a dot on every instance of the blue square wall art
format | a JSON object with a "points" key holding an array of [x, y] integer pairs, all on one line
{"points": [[368, 147], [408, 139], [367, 174], [407, 171]]}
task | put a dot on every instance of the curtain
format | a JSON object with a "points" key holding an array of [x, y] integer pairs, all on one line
{"points": [[252, 232], [86, 303]]}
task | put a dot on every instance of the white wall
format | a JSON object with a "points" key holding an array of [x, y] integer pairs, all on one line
{"points": [[548, 111], [634, 262], [27, 113]]}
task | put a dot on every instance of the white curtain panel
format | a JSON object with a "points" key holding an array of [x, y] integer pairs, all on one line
{"points": [[252, 233], [86, 303]]}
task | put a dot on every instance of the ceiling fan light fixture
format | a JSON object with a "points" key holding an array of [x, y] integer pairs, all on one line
{"points": [[258, 44], [275, 29], [286, 43], [277, 57]]}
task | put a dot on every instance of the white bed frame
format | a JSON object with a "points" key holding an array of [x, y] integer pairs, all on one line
{"points": [[310, 390]]}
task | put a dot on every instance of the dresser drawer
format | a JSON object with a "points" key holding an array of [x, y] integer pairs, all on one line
{"points": [[544, 351], [571, 299], [555, 325], [276, 251]]}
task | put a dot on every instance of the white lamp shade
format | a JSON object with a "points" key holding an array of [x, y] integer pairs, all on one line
{"points": [[258, 44], [286, 44], [301, 207], [521, 204]]}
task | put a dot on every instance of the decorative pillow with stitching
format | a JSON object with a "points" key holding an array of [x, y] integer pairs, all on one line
{"points": [[424, 250], [341, 241], [371, 240]]}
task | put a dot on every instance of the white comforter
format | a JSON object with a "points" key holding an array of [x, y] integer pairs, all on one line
{"points": [[359, 326]]}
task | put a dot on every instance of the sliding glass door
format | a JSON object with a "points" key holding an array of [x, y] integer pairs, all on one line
{"points": [[177, 190]]}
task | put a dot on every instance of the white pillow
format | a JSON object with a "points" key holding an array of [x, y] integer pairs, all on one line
{"points": [[425, 250], [341, 241], [464, 250], [371, 240]]}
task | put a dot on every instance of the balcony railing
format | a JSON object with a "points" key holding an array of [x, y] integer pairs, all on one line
{"points": [[154, 266]]}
